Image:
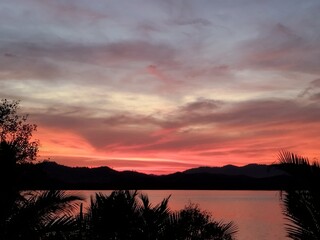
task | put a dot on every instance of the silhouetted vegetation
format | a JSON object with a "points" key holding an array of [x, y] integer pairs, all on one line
{"points": [[42, 215], [129, 215], [28, 215], [301, 199], [193, 223], [16, 148]]}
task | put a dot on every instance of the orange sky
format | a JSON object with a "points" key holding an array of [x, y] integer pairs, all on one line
{"points": [[168, 85]]}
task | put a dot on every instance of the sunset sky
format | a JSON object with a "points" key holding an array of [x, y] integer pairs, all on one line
{"points": [[159, 86]]}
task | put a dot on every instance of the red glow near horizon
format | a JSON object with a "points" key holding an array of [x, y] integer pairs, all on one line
{"points": [[70, 149]]}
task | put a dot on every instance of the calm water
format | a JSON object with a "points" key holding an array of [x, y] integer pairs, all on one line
{"points": [[256, 213]]}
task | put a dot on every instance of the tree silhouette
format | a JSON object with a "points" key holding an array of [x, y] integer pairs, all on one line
{"points": [[16, 147], [16, 133], [301, 200], [34, 215]]}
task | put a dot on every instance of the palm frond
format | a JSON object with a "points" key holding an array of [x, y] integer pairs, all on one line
{"points": [[301, 208], [286, 157], [174, 218], [301, 200], [63, 223], [228, 229], [38, 213]]}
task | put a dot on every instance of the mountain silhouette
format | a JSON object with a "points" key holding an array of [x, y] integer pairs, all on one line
{"points": [[250, 170], [50, 175]]}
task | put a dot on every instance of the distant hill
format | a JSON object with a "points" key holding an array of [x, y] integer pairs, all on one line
{"points": [[250, 170], [50, 175]]}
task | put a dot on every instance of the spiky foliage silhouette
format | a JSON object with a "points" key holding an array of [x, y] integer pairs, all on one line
{"points": [[113, 217], [42, 215], [192, 223], [154, 218], [129, 215], [125, 214], [301, 199]]}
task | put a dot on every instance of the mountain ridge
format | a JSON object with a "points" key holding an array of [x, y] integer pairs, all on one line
{"points": [[51, 175], [251, 170]]}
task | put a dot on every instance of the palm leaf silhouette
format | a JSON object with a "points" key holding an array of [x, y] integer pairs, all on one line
{"points": [[38, 215], [301, 200]]}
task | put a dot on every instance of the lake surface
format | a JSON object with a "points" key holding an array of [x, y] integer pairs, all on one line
{"points": [[256, 213]]}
